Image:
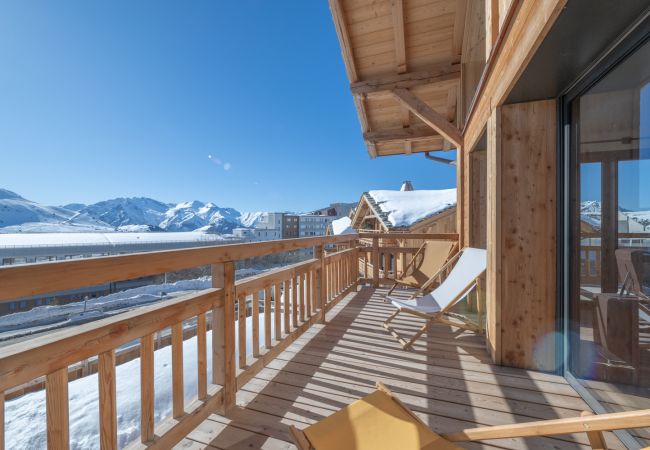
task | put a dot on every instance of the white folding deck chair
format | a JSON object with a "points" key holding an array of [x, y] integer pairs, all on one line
{"points": [[435, 307]]}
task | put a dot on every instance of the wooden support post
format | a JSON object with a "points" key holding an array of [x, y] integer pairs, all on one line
{"points": [[267, 317], [107, 401], [230, 385], [201, 360], [56, 404], [224, 334], [147, 388], [178, 397], [241, 323], [375, 262]]}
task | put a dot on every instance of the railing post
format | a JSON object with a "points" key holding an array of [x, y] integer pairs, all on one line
{"points": [[319, 253], [375, 261], [56, 404], [223, 333]]}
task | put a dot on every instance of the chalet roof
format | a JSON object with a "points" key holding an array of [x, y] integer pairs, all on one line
{"points": [[399, 53], [398, 210]]}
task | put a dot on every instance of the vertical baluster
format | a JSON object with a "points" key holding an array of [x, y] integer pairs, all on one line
{"points": [[302, 297], [241, 327], [267, 317], [178, 400], [308, 296], [218, 281], [2, 421], [56, 404], [294, 301], [146, 388], [277, 310], [255, 306], [107, 401], [285, 305], [202, 355]]}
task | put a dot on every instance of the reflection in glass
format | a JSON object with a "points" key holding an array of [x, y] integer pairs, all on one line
{"points": [[609, 349]]}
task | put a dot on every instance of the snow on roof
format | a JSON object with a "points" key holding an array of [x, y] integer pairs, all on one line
{"points": [[404, 208], [342, 226]]}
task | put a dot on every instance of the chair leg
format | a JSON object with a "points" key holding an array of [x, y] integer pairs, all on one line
{"points": [[390, 291], [421, 331], [392, 316]]}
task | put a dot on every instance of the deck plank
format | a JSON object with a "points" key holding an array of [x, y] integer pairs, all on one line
{"points": [[447, 380]]}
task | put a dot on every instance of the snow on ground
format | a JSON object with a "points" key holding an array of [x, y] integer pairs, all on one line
{"points": [[404, 208], [26, 420], [342, 226], [42, 318], [26, 239]]}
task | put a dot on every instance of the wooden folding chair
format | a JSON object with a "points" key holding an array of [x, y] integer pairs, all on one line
{"points": [[468, 267], [425, 265], [380, 421]]}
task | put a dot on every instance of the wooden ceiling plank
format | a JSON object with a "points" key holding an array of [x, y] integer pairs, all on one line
{"points": [[344, 38], [397, 8], [429, 116], [459, 27]]}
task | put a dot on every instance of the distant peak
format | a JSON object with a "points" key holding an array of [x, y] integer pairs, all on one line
{"points": [[7, 194]]}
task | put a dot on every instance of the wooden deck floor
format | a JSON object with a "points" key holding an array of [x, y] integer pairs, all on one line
{"points": [[447, 380]]}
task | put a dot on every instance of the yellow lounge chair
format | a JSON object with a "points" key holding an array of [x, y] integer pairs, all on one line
{"points": [[380, 421]]}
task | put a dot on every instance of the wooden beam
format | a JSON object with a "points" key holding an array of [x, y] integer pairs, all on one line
{"points": [[491, 24], [411, 134], [429, 116], [344, 38], [385, 84], [56, 407], [518, 40], [360, 103], [452, 111]]}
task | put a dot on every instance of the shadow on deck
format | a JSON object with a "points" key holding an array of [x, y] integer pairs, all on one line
{"points": [[447, 380]]}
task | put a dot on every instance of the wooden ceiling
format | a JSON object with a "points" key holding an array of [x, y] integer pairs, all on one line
{"points": [[403, 61]]}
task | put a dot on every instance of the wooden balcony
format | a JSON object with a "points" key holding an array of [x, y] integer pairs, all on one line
{"points": [[316, 344]]}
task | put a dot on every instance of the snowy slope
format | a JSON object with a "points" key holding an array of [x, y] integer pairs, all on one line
{"points": [[590, 213], [250, 219], [190, 216], [404, 208], [18, 214]]}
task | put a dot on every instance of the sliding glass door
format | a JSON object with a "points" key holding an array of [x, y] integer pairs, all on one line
{"points": [[608, 305]]}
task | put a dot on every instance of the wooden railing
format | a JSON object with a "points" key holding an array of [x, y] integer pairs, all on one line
{"points": [[294, 298], [383, 255]]}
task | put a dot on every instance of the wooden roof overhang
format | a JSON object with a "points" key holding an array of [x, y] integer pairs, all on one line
{"points": [[403, 61]]}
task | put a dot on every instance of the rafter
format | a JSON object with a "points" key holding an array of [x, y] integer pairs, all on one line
{"points": [[384, 85], [409, 134], [397, 10], [429, 116]]}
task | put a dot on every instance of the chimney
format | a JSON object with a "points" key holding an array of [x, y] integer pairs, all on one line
{"points": [[406, 186]]}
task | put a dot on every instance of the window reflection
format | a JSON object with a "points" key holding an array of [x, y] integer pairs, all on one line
{"points": [[610, 301]]}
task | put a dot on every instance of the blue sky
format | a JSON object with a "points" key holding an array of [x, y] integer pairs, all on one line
{"points": [[131, 98]]}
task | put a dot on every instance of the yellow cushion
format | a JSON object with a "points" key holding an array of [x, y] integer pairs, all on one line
{"points": [[375, 422]]}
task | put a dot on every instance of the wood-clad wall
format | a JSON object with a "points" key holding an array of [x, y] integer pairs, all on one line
{"points": [[521, 233]]}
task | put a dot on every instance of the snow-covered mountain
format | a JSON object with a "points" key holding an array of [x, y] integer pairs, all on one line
{"points": [[136, 214], [120, 212], [18, 214], [629, 221], [189, 216]]}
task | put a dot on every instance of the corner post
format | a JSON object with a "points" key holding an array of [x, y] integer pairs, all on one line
{"points": [[223, 333]]}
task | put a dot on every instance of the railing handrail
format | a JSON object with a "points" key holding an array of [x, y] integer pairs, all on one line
{"points": [[44, 277]]}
